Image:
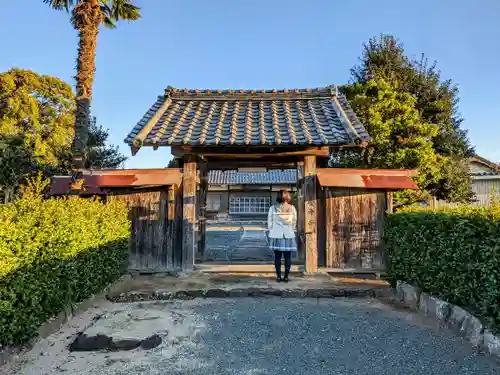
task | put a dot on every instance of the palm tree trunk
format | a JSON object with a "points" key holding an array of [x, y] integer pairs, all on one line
{"points": [[86, 19]]}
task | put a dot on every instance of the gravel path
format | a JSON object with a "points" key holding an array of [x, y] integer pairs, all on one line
{"points": [[281, 337], [278, 337]]}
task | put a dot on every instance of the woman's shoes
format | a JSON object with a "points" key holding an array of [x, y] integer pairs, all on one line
{"points": [[282, 280]]}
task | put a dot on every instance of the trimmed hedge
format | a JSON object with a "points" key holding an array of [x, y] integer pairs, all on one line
{"points": [[54, 253], [453, 254]]}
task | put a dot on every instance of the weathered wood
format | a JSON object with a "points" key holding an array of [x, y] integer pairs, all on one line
{"points": [[178, 225], [321, 217], [153, 239], [189, 213], [171, 226], [151, 123], [354, 225], [310, 225], [318, 152], [228, 164], [250, 152], [203, 208], [390, 202], [378, 216], [300, 211]]}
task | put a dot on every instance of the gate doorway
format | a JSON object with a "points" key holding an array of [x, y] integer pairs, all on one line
{"points": [[237, 204]]}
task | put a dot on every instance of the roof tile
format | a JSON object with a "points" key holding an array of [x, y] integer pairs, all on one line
{"points": [[236, 118], [271, 177]]}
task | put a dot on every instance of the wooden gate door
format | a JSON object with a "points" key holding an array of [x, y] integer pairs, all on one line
{"points": [[354, 226], [155, 219]]}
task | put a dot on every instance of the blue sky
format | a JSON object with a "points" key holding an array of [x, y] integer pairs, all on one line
{"points": [[260, 44]]}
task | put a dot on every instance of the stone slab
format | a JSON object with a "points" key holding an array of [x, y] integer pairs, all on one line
{"points": [[491, 343], [472, 330], [124, 330], [457, 317], [410, 295], [210, 285]]}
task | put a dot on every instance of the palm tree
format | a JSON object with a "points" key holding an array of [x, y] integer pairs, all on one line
{"points": [[86, 17]]}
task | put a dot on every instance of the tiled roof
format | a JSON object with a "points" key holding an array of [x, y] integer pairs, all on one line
{"points": [[272, 177], [492, 173], [318, 117]]}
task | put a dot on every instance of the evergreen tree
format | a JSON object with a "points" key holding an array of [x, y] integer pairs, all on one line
{"points": [[436, 102]]}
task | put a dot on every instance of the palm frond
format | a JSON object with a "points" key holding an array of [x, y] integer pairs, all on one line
{"points": [[61, 4], [109, 22], [124, 10]]}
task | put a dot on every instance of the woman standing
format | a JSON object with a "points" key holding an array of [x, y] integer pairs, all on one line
{"points": [[281, 223]]}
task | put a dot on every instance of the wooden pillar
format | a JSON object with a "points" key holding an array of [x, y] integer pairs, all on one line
{"points": [[389, 202], [174, 219], [203, 208], [171, 248], [310, 215], [300, 211], [189, 212]]}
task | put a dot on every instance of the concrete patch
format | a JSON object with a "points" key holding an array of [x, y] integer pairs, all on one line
{"points": [[124, 330], [51, 355]]}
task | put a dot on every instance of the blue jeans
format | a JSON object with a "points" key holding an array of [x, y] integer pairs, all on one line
{"points": [[277, 262]]}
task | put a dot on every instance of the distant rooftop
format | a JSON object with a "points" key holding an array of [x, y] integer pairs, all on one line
{"points": [[299, 117], [272, 177]]}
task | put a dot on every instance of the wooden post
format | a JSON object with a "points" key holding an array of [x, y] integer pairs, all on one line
{"points": [[300, 210], [203, 207], [389, 202], [172, 230], [189, 212], [310, 216]]}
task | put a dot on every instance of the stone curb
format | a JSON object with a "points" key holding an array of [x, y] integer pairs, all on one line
{"points": [[55, 323], [250, 292], [450, 316]]}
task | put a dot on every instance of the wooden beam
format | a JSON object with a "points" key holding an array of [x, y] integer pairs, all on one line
{"points": [[252, 152], [235, 164], [300, 211], [310, 216], [139, 138], [173, 177], [203, 207], [369, 172], [318, 153], [189, 213]]}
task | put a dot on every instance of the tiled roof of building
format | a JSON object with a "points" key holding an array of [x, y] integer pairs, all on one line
{"points": [[272, 177], [492, 173], [318, 117]]}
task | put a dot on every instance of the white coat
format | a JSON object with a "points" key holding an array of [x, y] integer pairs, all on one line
{"points": [[281, 224]]}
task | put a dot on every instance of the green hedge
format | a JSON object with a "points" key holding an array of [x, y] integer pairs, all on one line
{"points": [[453, 254], [54, 253]]}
